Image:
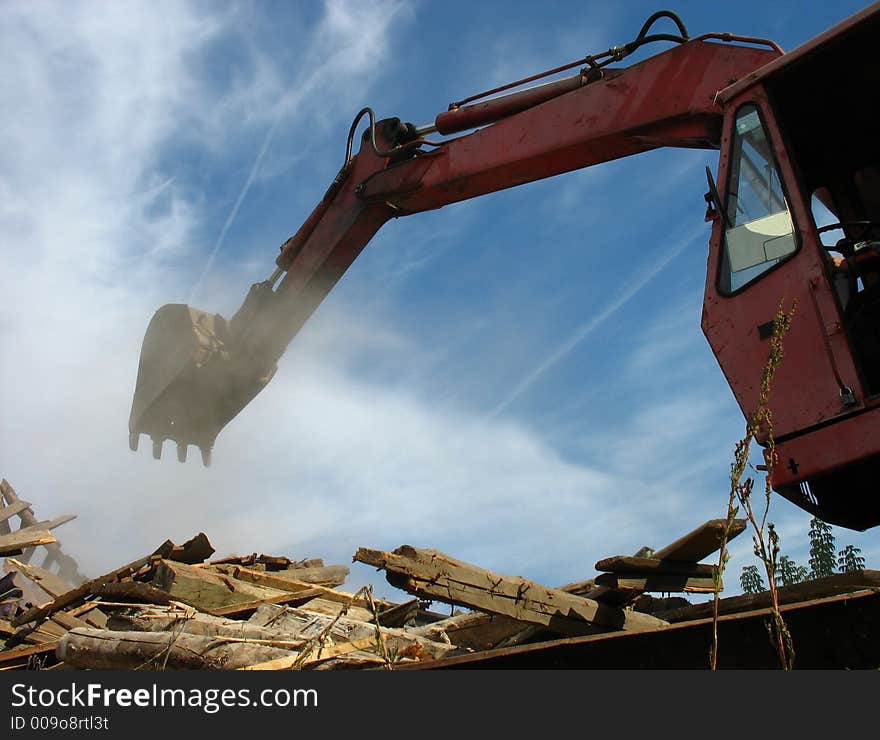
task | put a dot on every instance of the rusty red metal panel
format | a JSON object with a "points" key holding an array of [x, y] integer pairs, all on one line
{"points": [[667, 100], [807, 386]]}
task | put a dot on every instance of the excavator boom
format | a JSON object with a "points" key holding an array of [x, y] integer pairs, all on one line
{"points": [[197, 370]]}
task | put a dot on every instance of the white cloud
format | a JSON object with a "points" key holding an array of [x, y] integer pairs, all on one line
{"points": [[94, 237]]}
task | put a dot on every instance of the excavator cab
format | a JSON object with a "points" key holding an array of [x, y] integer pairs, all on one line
{"points": [[799, 227]]}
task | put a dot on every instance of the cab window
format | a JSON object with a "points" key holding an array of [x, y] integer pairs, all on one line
{"points": [[758, 226]]}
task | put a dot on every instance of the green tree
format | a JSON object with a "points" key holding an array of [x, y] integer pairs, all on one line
{"points": [[822, 549], [789, 572], [850, 559], [751, 581]]}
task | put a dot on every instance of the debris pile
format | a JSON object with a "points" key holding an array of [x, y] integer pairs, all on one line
{"points": [[177, 608]]}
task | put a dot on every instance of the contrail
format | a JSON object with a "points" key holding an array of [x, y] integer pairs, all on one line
{"points": [[255, 168], [587, 328], [337, 16]]}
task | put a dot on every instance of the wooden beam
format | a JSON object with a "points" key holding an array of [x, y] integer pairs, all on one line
{"points": [[235, 610], [80, 592], [326, 653], [657, 582], [68, 621], [44, 579], [282, 583], [477, 630], [16, 655], [30, 537], [400, 614], [437, 576], [701, 542], [194, 550], [110, 649], [49, 524], [309, 625], [138, 592], [205, 589], [839, 583], [10, 511], [325, 606], [626, 564], [327, 575], [68, 567]]}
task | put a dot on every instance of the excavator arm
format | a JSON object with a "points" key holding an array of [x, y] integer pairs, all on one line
{"points": [[198, 370]]}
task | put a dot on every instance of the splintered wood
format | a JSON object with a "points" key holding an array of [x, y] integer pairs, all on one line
{"points": [[175, 609], [433, 575]]}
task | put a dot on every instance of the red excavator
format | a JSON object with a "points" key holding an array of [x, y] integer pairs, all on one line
{"points": [[795, 220]]}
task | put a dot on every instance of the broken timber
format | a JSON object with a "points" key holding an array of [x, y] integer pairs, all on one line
{"points": [[66, 565], [670, 569], [110, 649], [701, 542], [431, 574]]}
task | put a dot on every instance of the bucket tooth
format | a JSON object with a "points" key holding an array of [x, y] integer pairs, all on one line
{"points": [[181, 452], [133, 440], [157, 448], [206, 456]]}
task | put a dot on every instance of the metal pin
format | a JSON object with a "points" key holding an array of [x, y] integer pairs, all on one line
{"points": [[181, 452], [206, 456], [157, 448], [133, 439]]}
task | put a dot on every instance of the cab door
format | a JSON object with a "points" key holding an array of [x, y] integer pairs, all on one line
{"points": [[765, 256]]}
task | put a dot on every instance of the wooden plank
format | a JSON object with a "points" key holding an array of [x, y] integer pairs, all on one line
{"points": [[26, 651], [628, 564], [657, 582], [309, 625], [49, 524], [400, 614], [80, 592], [30, 537], [69, 569], [840, 583], [477, 631], [234, 610], [699, 543], [8, 492], [261, 578], [437, 576], [15, 508], [50, 628], [46, 580], [139, 592], [325, 606], [204, 589], [195, 550], [186, 619], [282, 583], [95, 617], [68, 621], [109, 649], [327, 575], [325, 653]]}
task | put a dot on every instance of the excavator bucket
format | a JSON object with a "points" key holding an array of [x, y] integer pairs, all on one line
{"points": [[190, 381]]}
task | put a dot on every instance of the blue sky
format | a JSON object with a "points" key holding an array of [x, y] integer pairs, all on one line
{"points": [[519, 381]]}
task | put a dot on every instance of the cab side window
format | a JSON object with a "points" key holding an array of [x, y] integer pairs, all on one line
{"points": [[758, 226]]}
